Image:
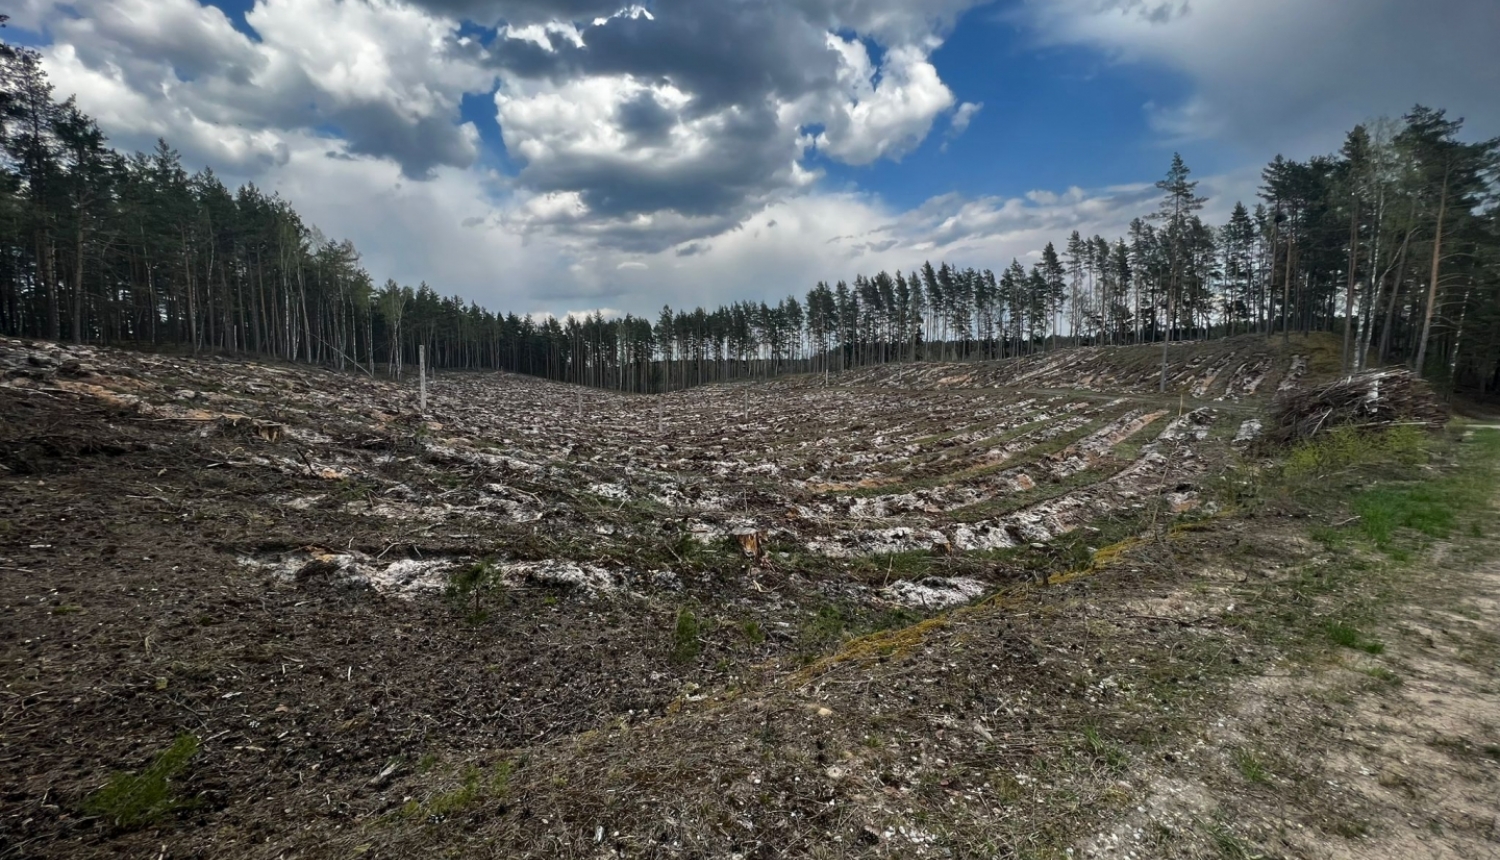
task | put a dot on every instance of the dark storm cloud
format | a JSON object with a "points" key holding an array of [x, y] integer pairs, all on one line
{"points": [[733, 66], [743, 158], [490, 12], [419, 146], [646, 120], [721, 53], [738, 65]]}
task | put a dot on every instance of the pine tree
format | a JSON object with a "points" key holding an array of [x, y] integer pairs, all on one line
{"points": [[1179, 201]]}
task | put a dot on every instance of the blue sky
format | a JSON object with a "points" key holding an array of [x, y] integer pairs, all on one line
{"points": [[565, 155], [1053, 117]]}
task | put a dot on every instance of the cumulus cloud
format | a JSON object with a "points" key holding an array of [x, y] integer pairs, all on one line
{"points": [[1292, 74], [632, 128], [665, 153], [880, 116], [679, 123], [383, 77]]}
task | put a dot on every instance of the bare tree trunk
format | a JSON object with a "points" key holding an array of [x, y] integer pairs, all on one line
{"points": [[1349, 288], [1432, 288], [1286, 290], [1458, 335], [78, 286]]}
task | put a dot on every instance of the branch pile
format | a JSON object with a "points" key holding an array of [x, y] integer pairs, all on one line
{"points": [[1369, 401]]}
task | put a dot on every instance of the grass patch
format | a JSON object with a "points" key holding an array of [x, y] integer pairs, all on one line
{"points": [[1384, 511], [474, 787], [1103, 751], [1250, 766], [133, 800], [1397, 505], [1347, 636], [834, 624], [1228, 844], [1348, 447]]}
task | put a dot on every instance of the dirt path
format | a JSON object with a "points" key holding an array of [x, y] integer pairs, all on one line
{"points": [[1389, 751], [1422, 754]]}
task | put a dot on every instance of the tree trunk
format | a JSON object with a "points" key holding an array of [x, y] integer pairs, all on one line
{"points": [[1432, 288], [1349, 288]]}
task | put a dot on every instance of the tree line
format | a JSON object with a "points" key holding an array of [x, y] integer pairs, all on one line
{"points": [[1393, 242]]}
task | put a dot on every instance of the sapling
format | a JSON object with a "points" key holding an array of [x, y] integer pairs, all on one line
{"points": [[470, 583]]}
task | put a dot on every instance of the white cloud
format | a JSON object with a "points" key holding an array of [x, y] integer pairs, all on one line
{"points": [[963, 116], [641, 183], [885, 115], [1294, 75], [384, 76]]}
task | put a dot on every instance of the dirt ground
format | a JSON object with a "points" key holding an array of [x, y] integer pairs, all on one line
{"points": [[755, 621]]}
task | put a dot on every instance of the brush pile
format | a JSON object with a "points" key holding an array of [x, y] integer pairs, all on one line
{"points": [[1369, 401]]}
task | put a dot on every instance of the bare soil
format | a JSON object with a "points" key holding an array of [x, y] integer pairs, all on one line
{"points": [[757, 621]]}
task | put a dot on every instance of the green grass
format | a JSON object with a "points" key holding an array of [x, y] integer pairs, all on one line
{"points": [[1228, 844], [1384, 511], [1399, 505], [1104, 751], [1347, 636], [1250, 766], [1347, 448], [473, 788], [833, 624], [132, 800]]}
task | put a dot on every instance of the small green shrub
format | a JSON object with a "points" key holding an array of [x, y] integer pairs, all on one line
{"points": [[133, 800], [754, 632], [470, 584], [470, 791], [686, 645]]}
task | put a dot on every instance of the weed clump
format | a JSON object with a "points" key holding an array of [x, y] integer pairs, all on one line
{"points": [[1103, 751], [132, 800], [1250, 766]]}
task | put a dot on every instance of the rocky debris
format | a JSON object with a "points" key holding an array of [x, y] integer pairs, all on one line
{"points": [[401, 578], [934, 592]]}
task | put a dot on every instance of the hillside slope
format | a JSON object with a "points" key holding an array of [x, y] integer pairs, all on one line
{"points": [[1233, 369], [546, 621]]}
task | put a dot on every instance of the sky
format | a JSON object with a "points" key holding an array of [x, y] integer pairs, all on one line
{"points": [[556, 156]]}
